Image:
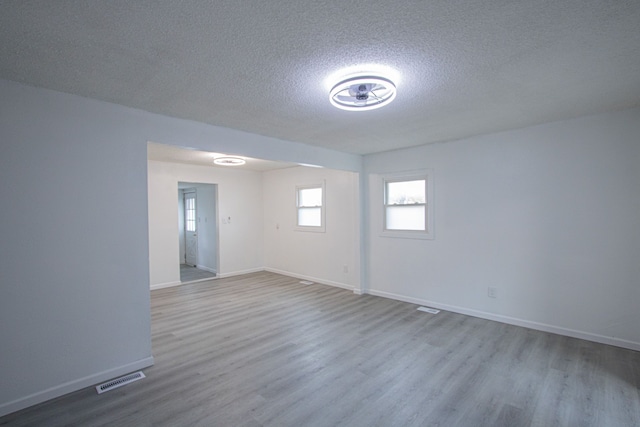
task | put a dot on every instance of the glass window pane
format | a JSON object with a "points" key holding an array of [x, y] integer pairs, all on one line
{"points": [[405, 192], [310, 197], [406, 218], [310, 217]]}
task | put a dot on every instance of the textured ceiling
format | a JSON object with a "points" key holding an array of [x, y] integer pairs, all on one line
{"points": [[169, 153], [465, 67]]}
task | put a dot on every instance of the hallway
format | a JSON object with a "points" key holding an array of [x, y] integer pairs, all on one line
{"points": [[192, 274]]}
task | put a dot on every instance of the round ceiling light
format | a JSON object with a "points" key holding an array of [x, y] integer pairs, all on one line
{"points": [[229, 161], [362, 93]]}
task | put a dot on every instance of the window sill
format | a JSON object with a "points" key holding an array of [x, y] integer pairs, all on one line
{"points": [[399, 234], [310, 229]]}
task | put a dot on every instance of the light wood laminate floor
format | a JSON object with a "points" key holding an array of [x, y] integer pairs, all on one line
{"points": [[264, 350]]}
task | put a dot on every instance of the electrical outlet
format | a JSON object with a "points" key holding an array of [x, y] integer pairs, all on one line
{"points": [[492, 292], [345, 268]]}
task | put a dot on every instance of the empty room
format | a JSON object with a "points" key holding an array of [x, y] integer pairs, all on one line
{"points": [[404, 214]]}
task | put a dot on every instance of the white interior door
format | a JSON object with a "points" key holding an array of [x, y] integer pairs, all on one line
{"points": [[190, 229]]}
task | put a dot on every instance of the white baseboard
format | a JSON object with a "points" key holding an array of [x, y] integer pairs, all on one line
{"points": [[165, 285], [71, 386], [617, 342], [312, 279], [220, 276], [205, 268], [240, 272]]}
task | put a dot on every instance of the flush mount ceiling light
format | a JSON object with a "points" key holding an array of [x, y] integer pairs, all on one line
{"points": [[362, 93], [229, 161]]}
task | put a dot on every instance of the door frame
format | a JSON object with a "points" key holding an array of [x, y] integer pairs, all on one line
{"points": [[208, 226]]}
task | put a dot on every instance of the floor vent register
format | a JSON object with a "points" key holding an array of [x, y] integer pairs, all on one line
{"points": [[119, 382]]}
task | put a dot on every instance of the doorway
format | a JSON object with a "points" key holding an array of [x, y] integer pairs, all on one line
{"points": [[198, 231]]}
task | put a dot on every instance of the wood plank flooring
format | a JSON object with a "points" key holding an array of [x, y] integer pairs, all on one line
{"points": [[263, 350]]}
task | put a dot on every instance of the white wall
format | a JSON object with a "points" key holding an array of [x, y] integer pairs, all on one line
{"points": [[320, 257], [74, 272], [74, 298], [239, 198], [550, 215]]}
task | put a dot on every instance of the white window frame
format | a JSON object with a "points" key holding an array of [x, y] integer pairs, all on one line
{"points": [[429, 231], [317, 229]]}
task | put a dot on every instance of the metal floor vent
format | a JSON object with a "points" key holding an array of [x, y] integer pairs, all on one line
{"points": [[429, 310], [119, 382]]}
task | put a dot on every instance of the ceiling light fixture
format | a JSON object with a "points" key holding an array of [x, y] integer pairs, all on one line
{"points": [[229, 161], [362, 93]]}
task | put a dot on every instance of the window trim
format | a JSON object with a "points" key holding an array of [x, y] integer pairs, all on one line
{"points": [[313, 228], [427, 176]]}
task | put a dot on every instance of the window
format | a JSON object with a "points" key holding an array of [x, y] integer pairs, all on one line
{"points": [[310, 207], [405, 203], [190, 211], [407, 207]]}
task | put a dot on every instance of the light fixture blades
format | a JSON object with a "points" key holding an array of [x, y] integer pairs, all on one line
{"points": [[229, 161], [362, 93]]}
